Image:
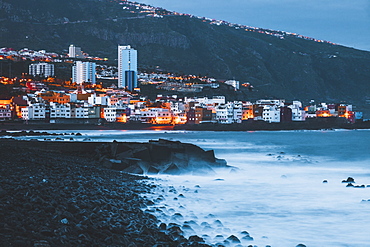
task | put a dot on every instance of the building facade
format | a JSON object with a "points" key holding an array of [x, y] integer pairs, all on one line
{"points": [[41, 69], [127, 67], [5, 113], [75, 52], [84, 72]]}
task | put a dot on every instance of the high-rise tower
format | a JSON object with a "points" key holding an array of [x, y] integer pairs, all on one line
{"points": [[127, 67], [84, 72], [75, 52]]}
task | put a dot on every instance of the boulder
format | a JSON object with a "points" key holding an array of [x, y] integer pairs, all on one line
{"points": [[172, 169], [162, 156], [196, 239], [136, 168], [348, 180], [233, 239]]}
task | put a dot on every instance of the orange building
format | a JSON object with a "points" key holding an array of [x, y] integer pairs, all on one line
{"points": [[323, 113], [83, 96], [60, 98], [247, 112]]}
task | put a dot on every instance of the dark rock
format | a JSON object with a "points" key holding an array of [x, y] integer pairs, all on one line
{"points": [[2, 192], [219, 238], [360, 186], [349, 185], [152, 170], [172, 169], [161, 156], [233, 239], [177, 216], [191, 222], [248, 238], [134, 169], [175, 231], [47, 233], [301, 245], [163, 226], [325, 181], [186, 227], [218, 223], [348, 180], [234, 170], [196, 239]]}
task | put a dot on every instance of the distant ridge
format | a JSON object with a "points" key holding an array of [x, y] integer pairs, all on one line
{"points": [[277, 63]]}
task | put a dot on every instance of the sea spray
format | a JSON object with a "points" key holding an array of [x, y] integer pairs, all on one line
{"points": [[278, 195]]}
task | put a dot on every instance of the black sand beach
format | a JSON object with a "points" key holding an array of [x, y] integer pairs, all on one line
{"points": [[54, 198]]}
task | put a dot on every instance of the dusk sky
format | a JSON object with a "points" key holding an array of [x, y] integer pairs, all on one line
{"points": [[346, 22]]}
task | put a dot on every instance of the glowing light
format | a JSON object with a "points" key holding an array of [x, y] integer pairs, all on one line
{"points": [[122, 119]]}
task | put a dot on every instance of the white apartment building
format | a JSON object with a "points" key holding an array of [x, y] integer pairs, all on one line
{"points": [[117, 113], [41, 69], [229, 113], [36, 111], [271, 114], [277, 102], [233, 83], [156, 115], [177, 107], [238, 111], [298, 114], [216, 100], [84, 72], [98, 100], [75, 52], [127, 67], [60, 110], [79, 112]]}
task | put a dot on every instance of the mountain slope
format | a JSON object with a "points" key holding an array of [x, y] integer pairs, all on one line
{"points": [[276, 63]]}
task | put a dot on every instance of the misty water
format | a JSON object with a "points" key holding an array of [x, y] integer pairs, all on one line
{"points": [[277, 196]]}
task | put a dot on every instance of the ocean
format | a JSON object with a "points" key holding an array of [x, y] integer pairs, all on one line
{"points": [[278, 195]]}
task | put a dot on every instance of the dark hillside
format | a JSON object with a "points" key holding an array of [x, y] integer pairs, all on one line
{"points": [[278, 64]]}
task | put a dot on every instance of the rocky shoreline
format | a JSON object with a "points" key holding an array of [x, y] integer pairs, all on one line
{"points": [[309, 124], [52, 197]]}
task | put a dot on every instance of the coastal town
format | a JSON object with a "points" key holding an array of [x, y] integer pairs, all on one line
{"points": [[43, 98]]}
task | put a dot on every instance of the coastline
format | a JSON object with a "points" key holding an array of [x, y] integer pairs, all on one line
{"points": [[52, 196], [311, 124]]}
